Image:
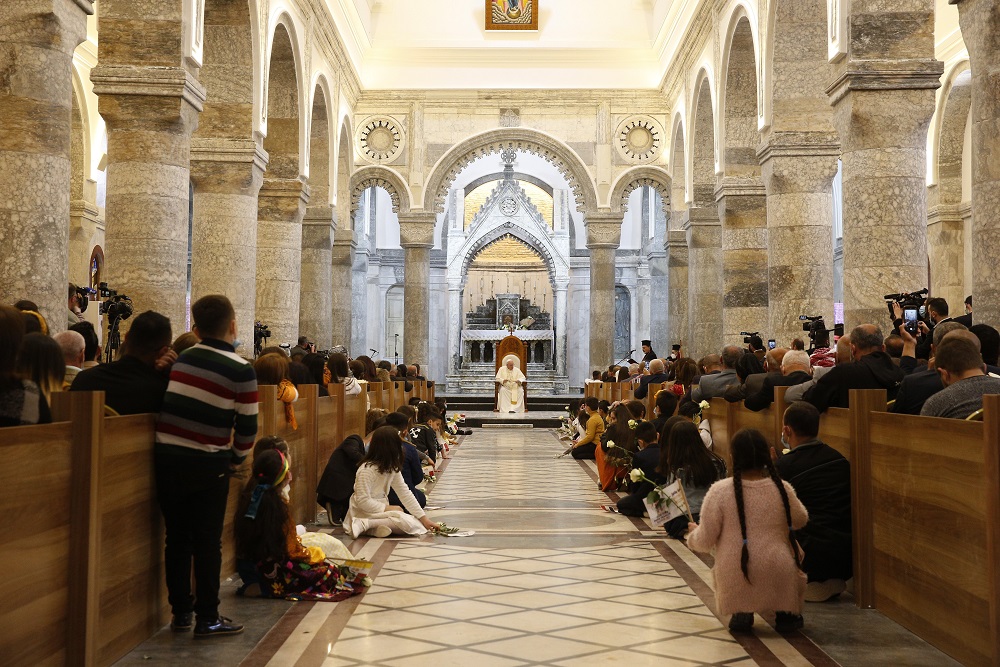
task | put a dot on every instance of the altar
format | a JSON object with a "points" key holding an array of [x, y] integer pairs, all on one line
{"points": [[482, 329]]}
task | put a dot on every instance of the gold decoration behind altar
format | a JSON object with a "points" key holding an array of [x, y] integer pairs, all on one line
{"points": [[475, 200], [507, 266]]}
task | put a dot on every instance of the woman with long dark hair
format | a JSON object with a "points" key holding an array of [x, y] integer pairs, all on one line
{"points": [[621, 432], [686, 458], [340, 373], [369, 512], [750, 519], [266, 536], [21, 401], [40, 360]]}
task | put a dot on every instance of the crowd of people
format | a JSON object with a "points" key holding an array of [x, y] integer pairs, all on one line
{"points": [[206, 397], [779, 522]]}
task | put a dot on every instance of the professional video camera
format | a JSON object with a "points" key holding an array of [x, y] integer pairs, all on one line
{"points": [[749, 335], [116, 306], [819, 335], [261, 332], [83, 295], [906, 300]]}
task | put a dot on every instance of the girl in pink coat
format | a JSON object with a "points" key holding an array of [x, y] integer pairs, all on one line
{"points": [[749, 520]]}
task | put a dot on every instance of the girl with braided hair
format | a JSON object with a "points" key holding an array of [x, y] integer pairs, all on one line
{"points": [[749, 520]]}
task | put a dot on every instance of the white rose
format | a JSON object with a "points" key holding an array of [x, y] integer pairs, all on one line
{"points": [[636, 475], [704, 405], [611, 443]]}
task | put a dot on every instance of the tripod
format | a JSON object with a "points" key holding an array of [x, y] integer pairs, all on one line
{"points": [[114, 340]]}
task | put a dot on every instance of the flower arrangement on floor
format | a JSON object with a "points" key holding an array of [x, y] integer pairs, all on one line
{"points": [[302, 581]]}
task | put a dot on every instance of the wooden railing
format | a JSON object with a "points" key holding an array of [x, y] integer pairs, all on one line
{"points": [[81, 544]]}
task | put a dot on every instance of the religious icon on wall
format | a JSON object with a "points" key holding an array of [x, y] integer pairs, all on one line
{"points": [[512, 14]]}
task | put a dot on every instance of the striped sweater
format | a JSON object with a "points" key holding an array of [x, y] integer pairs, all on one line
{"points": [[212, 393]]}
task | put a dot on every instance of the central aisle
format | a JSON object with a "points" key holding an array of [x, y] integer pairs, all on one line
{"points": [[548, 579]]}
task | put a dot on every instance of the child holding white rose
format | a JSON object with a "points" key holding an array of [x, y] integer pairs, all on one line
{"points": [[687, 459]]}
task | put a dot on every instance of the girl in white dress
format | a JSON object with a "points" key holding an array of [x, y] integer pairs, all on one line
{"points": [[369, 512]]}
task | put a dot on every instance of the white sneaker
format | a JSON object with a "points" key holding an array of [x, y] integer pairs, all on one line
{"points": [[821, 591]]}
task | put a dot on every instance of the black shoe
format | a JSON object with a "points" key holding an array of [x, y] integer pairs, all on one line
{"points": [[785, 621], [182, 622], [741, 622], [217, 627]]}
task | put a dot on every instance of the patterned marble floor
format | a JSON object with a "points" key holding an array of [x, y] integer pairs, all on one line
{"points": [[548, 579]]}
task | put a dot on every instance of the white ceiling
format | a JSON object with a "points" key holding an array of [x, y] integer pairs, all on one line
{"points": [[416, 44]]}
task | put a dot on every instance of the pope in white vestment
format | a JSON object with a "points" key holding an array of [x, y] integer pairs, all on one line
{"points": [[511, 379]]}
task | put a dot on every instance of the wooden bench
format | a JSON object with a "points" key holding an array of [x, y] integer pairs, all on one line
{"points": [[82, 538]]}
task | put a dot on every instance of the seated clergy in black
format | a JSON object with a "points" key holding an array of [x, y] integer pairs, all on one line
{"points": [[136, 383], [795, 369], [872, 368], [821, 478]]}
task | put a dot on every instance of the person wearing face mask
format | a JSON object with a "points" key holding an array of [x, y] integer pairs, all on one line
{"points": [[821, 477]]}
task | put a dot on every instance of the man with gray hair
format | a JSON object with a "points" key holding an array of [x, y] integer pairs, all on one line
{"points": [[795, 369], [714, 384], [73, 348], [922, 383], [656, 376], [872, 369]]}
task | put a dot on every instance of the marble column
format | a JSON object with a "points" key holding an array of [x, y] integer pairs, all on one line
{"points": [[883, 98], [677, 290], [364, 334], [454, 326], [979, 22], [150, 112], [416, 235], [604, 231], [743, 211], [705, 281], [798, 174], [342, 290], [281, 207], [36, 94], [227, 175], [946, 242], [561, 320], [317, 312]]}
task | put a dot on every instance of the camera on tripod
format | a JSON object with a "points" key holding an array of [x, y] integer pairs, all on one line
{"points": [[819, 335], [116, 306], [261, 332], [82, 296]]}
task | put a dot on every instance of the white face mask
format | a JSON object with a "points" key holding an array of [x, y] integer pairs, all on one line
{"points": [[286, 492]]}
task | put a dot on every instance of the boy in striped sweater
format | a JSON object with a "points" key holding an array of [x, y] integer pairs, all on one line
{"points": [[211, 399]]}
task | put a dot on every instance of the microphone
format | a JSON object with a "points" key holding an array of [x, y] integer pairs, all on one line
{"points": [[373, 351]]}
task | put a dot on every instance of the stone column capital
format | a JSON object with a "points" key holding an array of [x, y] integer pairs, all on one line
{"points": [[112, 81], [417, 230], [881, 75], [285, 188], [604, 229], [227, 150], [739, 187], [799, 144], [703, 216], [319, 216], [676, 238]]}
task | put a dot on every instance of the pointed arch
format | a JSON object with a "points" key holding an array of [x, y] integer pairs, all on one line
{"points": [[474, 246], [545, 146], [285, 96], [738, 99], [320, 143], [381, 177], [703, 158]]}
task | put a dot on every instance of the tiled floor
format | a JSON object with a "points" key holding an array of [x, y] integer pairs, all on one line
{"points": [[548, 579]]}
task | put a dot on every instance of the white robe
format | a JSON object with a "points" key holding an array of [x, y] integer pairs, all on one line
{"points": [[511, 397]]}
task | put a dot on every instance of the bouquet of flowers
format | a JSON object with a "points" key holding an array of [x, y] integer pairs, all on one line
{"points": [[704, 405], [618, 457]]}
